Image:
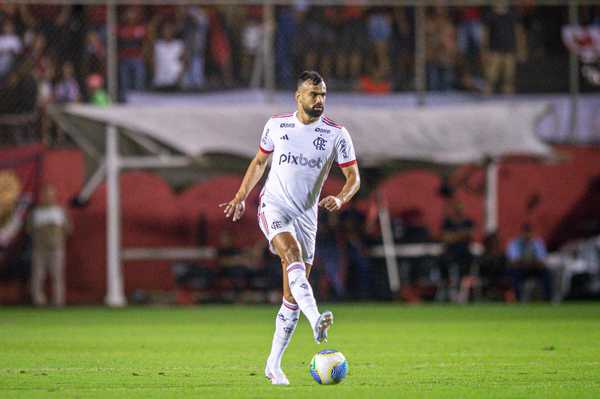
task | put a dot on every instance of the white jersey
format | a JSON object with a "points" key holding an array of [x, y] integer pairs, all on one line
{"points": [[302, 157]]}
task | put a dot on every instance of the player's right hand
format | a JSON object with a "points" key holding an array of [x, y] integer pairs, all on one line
{"points": [[234, 207]]}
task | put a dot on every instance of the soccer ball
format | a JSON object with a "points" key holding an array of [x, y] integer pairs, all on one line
{"points": [[328, 367]]}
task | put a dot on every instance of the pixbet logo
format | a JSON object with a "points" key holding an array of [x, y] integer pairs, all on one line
{"points": [[284, 125], [321, 130], [301, 160]]}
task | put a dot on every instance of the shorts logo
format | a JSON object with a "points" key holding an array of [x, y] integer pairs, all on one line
{"points": [[276, 225], [343, 148], [301, 160], [286, 125], [304, 286], [321, 130], [319, 143]]}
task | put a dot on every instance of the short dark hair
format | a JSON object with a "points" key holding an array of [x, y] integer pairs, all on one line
{"points": [[312, 76]]}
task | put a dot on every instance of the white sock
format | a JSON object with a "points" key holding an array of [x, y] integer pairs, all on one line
{"points": [[302, 292], [285, 325]]}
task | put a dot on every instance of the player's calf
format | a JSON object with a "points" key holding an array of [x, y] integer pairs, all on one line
{"points": [[302, 292]]}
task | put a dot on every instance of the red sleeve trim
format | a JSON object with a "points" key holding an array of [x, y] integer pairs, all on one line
{"points": [[264, 151], [349, 163]]}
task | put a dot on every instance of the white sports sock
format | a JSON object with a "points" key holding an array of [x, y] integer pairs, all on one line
{"points": [[302, 292], [285, 325]]}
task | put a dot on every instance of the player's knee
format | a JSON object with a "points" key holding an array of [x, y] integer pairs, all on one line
{"points": [[291, 254], [289, 298]]}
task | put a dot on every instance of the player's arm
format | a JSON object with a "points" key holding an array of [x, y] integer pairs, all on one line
{"points": [[256, 169], [352, 175]]}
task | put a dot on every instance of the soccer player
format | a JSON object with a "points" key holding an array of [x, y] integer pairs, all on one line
{"points": [[304, 145]]}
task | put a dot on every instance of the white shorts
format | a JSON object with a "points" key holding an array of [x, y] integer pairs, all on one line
{"points": [[272, 221]]}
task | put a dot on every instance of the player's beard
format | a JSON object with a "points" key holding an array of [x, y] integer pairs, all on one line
{"points": [[315, 113]]}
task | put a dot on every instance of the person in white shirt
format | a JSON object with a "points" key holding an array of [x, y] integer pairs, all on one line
{"points": [[49, 226], [168, 58], [304, 145], [10, 47]]}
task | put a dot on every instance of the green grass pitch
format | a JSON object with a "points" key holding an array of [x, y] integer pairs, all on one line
{"points": [[394, 351]]}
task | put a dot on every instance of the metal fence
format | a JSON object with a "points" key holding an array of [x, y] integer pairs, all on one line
{"points": [[102, 51]]}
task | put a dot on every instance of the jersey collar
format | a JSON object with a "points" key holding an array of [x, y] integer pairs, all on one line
{"points": [[310, 124]]}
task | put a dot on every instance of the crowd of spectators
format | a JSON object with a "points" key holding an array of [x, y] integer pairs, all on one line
{"points": [[357, 48], [58, 53]]}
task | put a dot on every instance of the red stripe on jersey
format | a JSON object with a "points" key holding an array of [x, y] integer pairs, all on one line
{"points": [[263, 150], [264, 222], [282, 116], [349, 163], [329, 122]]}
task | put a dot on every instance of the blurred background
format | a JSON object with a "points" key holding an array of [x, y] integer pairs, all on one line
{"points": [[115, 119]]}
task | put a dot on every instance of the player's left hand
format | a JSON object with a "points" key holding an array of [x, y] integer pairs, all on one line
{"points": [[331, 203]]}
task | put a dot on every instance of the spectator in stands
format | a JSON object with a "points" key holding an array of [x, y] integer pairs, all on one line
{"points": [[132, 35], [49, 226], [353, 43], [377, 81], [526, 254], [457, 235], [10, 47], [442, 51], [52, 21], [492, 269], [19, 92], [403, 48], [168, 58], [252, 41], [195, 36], [502, 45], [317, 39], [95, 89], [469, 36], [287, 27], [410, 227], [220, 49], [45, 76], [37, 54], [66, 89], [379, 30], [94, 54], [469, 31]]}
